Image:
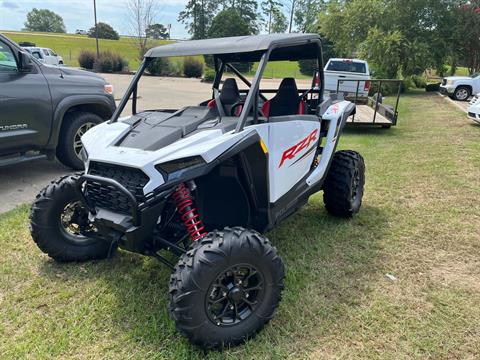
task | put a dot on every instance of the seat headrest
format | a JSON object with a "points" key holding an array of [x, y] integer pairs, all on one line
{"points": [[288, 86], [229, 94]]}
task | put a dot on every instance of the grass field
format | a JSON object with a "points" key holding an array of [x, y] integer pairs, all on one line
{"points": [[420, 222], [69, 47]]}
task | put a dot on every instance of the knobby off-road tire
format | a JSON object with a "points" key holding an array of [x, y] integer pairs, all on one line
{"points": [[203, 276], [344, 185], [51, 235], [74, 125]]}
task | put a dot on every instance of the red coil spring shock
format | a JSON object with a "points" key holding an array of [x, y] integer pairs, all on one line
{"points": [[188, 213]]}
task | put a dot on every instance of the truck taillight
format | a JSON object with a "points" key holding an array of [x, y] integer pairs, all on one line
{"points": [[317, 80], [367, 85]]}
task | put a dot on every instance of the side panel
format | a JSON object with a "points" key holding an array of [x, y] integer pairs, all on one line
{"points": [[292, 146]]}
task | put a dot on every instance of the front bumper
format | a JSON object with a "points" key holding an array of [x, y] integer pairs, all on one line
{"points": [[132, 231], [475, 116], [447, 89]]}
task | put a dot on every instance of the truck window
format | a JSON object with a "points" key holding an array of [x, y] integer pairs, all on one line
{"points": [[36, 54], [7, 59], [347, 66], [45, 51]]}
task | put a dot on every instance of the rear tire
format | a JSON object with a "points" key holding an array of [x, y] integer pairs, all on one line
{"points": [[48, 225], [209, 289], [75, 124], [344, 185]]}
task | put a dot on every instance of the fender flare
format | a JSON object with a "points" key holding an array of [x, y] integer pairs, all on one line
{"points": [[67, 103]]}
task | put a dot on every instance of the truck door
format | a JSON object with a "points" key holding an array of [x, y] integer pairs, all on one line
{"points": [[292, 146], [25, 104]]}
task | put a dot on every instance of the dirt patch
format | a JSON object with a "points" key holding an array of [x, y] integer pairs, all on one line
{"points": [[457, 273]]}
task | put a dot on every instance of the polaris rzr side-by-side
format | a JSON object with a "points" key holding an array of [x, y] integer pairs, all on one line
{"points": [[206, 182]]}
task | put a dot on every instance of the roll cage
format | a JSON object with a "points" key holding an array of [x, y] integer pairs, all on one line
{"points": [[261, 48]]}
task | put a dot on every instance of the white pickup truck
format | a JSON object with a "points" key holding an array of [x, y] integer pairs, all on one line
{"points": [[348, 69], [461, 87]]}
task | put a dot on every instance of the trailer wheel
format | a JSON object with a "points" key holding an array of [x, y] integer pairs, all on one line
{"points": [[226, 288], [59, 225], [344, 185]]}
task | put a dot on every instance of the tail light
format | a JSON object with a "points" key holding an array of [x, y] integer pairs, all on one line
{"points": [[317, 79], [367, 85]]}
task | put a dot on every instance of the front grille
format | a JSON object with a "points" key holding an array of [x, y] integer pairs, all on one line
{"points": [[109, 197], [472, 115]]}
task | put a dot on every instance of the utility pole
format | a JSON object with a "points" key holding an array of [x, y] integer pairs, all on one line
{"points": [[96, 27]]}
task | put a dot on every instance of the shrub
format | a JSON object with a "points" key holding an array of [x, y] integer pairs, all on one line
{"points": [[307, 67], [192, 67], [109, 62], [86, 59], [419, 81], [160, 67], [105, 31], [209, 75]]}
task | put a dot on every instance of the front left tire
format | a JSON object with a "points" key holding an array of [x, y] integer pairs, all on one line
{"points": [[226, 288], [60, 227], [462, 93]]}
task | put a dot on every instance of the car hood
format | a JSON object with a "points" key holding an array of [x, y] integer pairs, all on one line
{"points": [[457, 78], [78, 72]]}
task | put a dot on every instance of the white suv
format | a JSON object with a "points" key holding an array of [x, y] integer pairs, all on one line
{"points": [[45, 55], [461, 87]]}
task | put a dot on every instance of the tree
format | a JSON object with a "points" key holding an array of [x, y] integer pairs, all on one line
{"points": [[291, 6], [269, 9], [45, 21], [279, 22], [306, 15], [247, 9], [142, 14], [157, 31], [197, 16], [105, 31], [226, 23]]}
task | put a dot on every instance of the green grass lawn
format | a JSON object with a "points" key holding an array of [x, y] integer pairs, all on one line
{"points": [[420, 222]]}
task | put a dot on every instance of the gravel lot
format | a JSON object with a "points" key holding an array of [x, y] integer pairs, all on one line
{"points": [[20, 183]]}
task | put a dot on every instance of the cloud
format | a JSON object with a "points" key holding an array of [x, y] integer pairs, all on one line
{"points": [[9, 5]]}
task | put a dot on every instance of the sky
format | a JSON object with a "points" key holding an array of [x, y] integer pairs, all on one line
{"points": [[78, 14]]}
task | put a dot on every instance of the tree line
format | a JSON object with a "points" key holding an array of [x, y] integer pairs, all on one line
{"points": [[397, 37]]}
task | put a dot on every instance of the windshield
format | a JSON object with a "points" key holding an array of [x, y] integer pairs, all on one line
{"points": [[347, 66]]}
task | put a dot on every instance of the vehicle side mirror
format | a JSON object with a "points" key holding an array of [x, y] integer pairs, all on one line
{"points": [[25, 62]]}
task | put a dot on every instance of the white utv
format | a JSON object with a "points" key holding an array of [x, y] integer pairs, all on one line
{"points": [[206, 182]]}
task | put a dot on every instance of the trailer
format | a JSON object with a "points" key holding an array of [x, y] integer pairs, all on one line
{"points": [[371, 110]]}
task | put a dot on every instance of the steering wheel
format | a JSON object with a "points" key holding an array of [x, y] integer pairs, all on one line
{"points": [[241, 103]]}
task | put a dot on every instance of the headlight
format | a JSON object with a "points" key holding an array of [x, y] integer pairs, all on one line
{"points": [[179, 164], [83, 154], [108, 88]]}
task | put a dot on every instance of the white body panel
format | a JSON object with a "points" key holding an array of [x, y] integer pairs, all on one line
{"points": [[291, 146]]}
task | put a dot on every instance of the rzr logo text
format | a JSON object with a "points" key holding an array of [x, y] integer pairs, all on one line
{"points": [[295, 149]]}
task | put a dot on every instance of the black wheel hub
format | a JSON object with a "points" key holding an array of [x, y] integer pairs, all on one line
{"points": [[234, 295]]}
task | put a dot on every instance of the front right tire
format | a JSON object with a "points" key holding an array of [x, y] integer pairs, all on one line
{"points": [[69, 146], [226, 288], [462, 93], [344, 185]]}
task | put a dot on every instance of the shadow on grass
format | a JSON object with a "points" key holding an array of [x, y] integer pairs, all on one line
{"points": [[329, 265]]}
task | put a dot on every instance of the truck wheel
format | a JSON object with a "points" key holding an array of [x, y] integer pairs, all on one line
{"points": [[462, 93], [60, 227], [226, 288], [344, 185], [69, 147]]}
